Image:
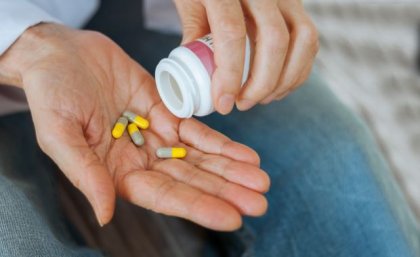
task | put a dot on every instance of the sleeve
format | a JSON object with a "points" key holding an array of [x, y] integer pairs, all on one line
{"points": [[18, 15]]}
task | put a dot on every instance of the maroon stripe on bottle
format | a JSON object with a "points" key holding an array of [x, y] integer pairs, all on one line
{"points": [[204, 53]]}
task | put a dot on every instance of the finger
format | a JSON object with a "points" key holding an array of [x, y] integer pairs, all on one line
{"points": [[227, 24], [304, 76], [66, 145], [247, 201], [193, 18], [272, 41], [280, 94], [304, 46], [240, 173], [274, 97], [203, 138], [162, 194]]}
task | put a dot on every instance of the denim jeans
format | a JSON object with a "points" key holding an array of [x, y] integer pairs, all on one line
{"points": [[324, 199]]}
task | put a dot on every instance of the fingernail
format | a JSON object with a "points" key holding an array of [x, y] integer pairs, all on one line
{"points": [[245, 104], [225, 104]]}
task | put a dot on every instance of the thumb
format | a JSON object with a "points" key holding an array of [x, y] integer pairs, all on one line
{"points": [[194, 20], [191, 31], [68, 148]]}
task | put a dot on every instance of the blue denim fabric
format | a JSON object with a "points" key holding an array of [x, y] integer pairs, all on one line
{"points": [[324, 198]]}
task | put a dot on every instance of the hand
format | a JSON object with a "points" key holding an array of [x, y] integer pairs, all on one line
{"points": [[78, 83], [284, 40]]}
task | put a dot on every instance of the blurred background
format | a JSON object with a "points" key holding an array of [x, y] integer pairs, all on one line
{"points": [[369, 57]]}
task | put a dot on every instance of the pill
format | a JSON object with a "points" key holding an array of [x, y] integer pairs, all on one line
{"points": [[135, 134], [171, 152], [119, 127], [136, 119]]}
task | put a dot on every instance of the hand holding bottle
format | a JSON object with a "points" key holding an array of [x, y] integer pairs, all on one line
{"points": [[283, 38]]}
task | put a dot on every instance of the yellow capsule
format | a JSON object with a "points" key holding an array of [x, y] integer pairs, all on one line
{"points": [[171, 152], [136, 119], [135, 134], [119, 127]]}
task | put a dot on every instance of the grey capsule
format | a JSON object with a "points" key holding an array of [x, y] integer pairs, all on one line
{"points": [[164, 152], [137, 138], [135, 134], [137, 119], [130, 115]]}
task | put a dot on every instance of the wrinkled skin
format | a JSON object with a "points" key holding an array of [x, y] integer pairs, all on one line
{"points": [[78, 83]]}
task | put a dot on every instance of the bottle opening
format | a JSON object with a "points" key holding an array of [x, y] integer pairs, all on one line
{"points": [[171, 90]]}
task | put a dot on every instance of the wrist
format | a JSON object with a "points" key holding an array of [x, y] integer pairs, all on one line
{"points": [[34, 44]]}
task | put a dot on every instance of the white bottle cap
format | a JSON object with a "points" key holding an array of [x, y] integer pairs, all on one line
{"points": [[175, 87], [184, 78]]}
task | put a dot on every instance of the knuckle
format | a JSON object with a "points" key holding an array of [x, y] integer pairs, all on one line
{"points": [[233, 29], [287, 83], [309, 34], [278, 33], [308, 30], [96, 36], [234, 72], [292, 82], [278, 38], [302, 80], [229, 76]]}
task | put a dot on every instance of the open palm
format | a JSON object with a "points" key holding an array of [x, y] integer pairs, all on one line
{"points": [[79, 91]]}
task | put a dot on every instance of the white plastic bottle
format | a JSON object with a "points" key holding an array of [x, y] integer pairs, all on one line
{"points": [[184, 78]]}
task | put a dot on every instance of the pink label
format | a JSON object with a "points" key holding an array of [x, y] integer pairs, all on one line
{"points": [[204, 53]]}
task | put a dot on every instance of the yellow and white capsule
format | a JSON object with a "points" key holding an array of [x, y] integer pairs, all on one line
{"points": [[119, 127], [136, 119], [171, 152], [135, 134]]}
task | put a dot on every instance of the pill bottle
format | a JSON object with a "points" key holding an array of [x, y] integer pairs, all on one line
{"points": [[184, 78]]}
